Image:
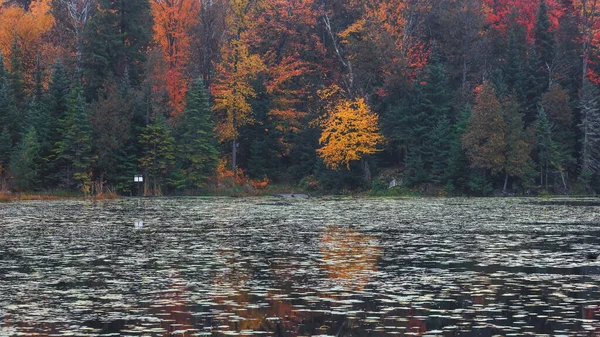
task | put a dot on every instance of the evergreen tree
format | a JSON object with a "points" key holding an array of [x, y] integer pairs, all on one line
{"points": [[518, 148], [74, 150], [8, 110], [110, 119], [198, 152], [25, 161], [545, 146], [442, 138], [58, 99], [544, 38], [115, 41], [5, 147], [458, 170], [513, 67], [16, 77], [434, 103], [158, 155]]}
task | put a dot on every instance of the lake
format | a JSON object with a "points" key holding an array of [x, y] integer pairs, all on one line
{"points": [[284, 267]]}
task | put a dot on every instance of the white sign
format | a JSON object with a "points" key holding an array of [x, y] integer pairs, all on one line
{"points": [[138, 179]]}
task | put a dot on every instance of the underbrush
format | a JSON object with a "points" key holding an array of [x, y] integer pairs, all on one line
{"points": [[53, 195]]}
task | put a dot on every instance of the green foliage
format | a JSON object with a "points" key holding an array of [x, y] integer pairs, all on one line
{"points": [[158, 155], [74, 151], [8, 109], [5, 147], [114, 43], [25, 162], [197, 147]]}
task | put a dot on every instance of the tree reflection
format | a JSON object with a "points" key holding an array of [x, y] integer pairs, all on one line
{"points": [[349, 257]]}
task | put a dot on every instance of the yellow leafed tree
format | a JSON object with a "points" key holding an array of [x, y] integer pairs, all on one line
{"points": [[350, 131]]}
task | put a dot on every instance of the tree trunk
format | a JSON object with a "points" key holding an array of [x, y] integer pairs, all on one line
{"points": [[366, 170], [234, 159], [505, 183]]}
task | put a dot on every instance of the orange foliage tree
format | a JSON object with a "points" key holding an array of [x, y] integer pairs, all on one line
{"points": [[350, 131], [281, 35], [173, 21], [27, 28], [500, 13], [232, 88]]}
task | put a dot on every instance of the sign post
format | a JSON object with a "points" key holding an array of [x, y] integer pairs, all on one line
{"points": [[138, 178]]}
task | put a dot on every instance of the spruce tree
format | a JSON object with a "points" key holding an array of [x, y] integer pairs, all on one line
{"points": [[25, 162], [74, 150], [115, 41], [16, 76], [434, 103], [8, 109], [197, 149], [518, 148], [544, 38], [158, 154], [5, 147], [546, 147]]}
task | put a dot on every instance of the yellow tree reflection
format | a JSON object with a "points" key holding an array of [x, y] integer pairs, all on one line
{"points": [[349, 257]]}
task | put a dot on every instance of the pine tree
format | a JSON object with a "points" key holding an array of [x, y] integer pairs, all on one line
{"points": [[158, 155], [544, 39], [16, 76], [458, 170], [433, 107], [513, 67], [197, 149], [8, 109], [545, 146], [110, 119], [5, 147], [25, 161], [441, 139], [115, 41], [74, 150]]}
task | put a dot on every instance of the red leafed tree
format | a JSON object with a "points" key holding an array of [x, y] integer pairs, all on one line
{"points": [[283, 36], [173, 22], [589, 27], [500, 13]]}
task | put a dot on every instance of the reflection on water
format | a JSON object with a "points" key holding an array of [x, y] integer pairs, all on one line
{"points": [[349, 267]]}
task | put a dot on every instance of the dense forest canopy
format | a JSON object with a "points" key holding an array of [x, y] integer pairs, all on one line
{"points": [[454, 96]]}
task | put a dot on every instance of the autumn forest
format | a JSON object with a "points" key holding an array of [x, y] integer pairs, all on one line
{"points": [[442, 97]]}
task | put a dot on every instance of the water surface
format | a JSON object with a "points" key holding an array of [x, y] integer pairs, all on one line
{"points": [[267, 266]]}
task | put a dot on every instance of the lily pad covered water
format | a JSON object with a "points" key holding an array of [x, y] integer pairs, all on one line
{"points": [[335, 267]]}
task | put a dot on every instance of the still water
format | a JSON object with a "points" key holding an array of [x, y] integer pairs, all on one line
{"points": [[274, 267]]}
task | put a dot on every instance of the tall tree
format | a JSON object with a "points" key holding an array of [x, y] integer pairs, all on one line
{"points": [[484, 139], [173, 23], [25, 161], [9, 117], [115, 42], [74, 149], [350, 132], [197, 149], [158, 155], [590, 130], [110, 120], [518, 142]]}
